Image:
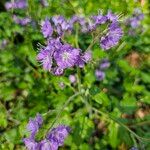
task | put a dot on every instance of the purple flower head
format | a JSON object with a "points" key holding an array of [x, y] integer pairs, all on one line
{"points": [[113, 36], [112, 17], [134, 22], [48, 145], [67, 56], [34, 125], [58, 71], [104, 64], [20, 4], [31, 144], [99, 19], [61, 24], [45, 57], [83, 58], [87, 56], [100, 75], [21, 21], [46, 28], [58, 134], [80, 20], [134, 148], [72, 78], [8, 5]]}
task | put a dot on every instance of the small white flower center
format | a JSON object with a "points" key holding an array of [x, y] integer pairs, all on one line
{"points": [[65, 56]]}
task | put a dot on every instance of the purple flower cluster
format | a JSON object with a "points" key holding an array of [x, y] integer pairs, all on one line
{"points": [[17, 4], [136, 19], [99, 73], [57, 56], [21, 21], [112, 37], [53, 140]]}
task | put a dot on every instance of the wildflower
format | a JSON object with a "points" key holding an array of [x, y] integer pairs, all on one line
{"points": [[135, 20], [104, 64], [20, 4], [46, 28], [45, 58], [54, 139], [61, 24], [67, 56], [58, 134], [99, 19], [112, 17], [134, 148], [34, 125], [72, 78], [99, 74], [21, 21], [47, 145], [87, 56], [31, 144], [113, 36], [58, 71]]}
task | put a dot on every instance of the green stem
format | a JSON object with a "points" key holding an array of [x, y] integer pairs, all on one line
{"points": [[121, 124], [61, 110]]}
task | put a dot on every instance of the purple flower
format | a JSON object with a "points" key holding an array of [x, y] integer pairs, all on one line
{"points": [[135, 20], [100, 75], [34, 125], [99, 19], [48, 145], [112, 17], [104, 64], [134, 148], [45, 57], [21, 21], [113, 36], [87, 56], [61, 24], [72, 78], [80, 20], [54, 139], [83, 58], [66, 57], [8, 5], [20, 4], [31, 144], [58, 71], [58, 135], [46, 28]]}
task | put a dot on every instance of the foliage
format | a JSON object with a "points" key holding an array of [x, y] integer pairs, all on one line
{"points": [[110, 114]]}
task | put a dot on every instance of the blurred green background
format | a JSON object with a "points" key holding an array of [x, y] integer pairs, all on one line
{"points": [[25, 88]]}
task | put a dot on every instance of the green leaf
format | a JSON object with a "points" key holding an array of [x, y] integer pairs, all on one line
{"points": [[102, 98]]}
